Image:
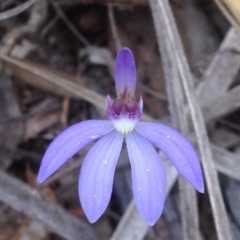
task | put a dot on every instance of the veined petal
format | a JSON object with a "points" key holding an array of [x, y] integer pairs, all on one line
{"points": [[125, 72], [148, 177], [97, 172], [177, 148], [70, 141]]}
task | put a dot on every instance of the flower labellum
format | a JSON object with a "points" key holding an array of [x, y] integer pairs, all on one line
{"points": [[97, 171]]}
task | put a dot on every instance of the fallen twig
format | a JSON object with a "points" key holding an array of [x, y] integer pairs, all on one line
{"points": [[29, 201], [74, 30], [221, 70], [15, 11], [163, 16]]}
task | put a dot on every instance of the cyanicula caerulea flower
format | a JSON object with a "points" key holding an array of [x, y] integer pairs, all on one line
{"points": [[97, 170]]}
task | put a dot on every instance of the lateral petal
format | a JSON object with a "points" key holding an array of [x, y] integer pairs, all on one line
{"points": [[97, 172], [70, 141], [148, 177], [125, 72], [177, 148]]}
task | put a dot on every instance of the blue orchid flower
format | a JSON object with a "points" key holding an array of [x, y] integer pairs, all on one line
{"points": [[97, 170]]}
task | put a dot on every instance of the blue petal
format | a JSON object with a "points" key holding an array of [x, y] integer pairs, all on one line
{"points": [[125, 72], [97, 172], [177, 148], [149, 180], [65, 145]]}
